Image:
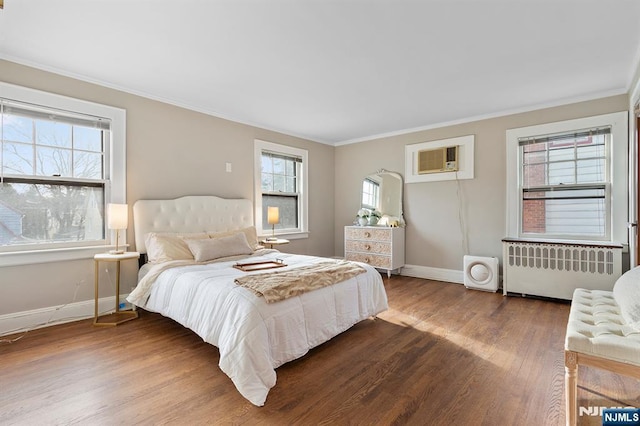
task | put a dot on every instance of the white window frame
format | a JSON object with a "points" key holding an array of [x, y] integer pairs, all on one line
{"points": [[115, 172], [617, 171], [303, 187]]}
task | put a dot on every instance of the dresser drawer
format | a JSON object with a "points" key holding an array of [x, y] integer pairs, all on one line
{"points": [[381, 247], [355, 233], [375, 260]]}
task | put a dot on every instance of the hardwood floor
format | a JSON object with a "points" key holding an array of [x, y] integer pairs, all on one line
{"points": [[441, 355]]}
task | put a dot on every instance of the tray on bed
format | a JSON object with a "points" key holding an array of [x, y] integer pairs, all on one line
{"points": [[257, 266]]}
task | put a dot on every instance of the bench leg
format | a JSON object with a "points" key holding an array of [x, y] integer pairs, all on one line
{"points": [[571, 387]]}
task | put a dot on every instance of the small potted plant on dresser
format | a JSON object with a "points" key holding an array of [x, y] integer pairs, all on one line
{"points": [[374, 217], [363, 217]]}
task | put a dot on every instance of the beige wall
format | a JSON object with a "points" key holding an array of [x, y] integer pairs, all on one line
{"points": [[433, 235], [171, 152]]}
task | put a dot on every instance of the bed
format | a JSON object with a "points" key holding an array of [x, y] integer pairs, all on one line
{"points": [[253, 333]]}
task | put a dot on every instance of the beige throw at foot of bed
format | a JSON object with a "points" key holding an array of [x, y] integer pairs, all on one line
{"points": [[279, 285]]}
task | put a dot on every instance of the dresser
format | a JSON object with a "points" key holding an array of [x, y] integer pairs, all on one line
{"points": [[380, 247]]}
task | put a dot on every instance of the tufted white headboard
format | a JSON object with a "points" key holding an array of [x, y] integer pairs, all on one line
{"points": [[189, 214]]}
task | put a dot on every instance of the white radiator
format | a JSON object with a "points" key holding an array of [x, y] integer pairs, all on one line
{"points": [[555, 270]]}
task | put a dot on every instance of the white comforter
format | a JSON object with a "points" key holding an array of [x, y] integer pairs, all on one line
{"points": [[254, 337]]}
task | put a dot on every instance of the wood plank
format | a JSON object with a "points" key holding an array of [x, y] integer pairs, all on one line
{"points": [[441, 354]]}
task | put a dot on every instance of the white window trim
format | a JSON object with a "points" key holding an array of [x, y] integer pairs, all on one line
{"points": [[617, 169], [259, 146], [115, 189]]}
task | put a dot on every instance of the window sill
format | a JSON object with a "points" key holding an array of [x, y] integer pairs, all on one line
{"points": [[291, 236], [30, 257]]}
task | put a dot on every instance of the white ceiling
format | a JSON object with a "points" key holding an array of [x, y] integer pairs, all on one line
{"points": [[335, 71]]}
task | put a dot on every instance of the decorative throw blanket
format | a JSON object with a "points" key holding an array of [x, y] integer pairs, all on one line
{"points": [[280, 285]]}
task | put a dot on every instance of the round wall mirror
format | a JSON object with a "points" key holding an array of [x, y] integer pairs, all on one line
{"points": [[382, 191]]}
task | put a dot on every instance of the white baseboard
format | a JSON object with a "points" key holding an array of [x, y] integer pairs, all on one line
{"points": [[19, 322], [429, 273]]}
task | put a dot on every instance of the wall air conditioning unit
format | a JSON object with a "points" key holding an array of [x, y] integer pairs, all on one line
{"points": [[438, 160]]}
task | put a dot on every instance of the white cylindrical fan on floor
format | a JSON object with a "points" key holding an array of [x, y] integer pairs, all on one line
{"points": [[481, 273]]}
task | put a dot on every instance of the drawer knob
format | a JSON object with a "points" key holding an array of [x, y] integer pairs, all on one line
{"points": [[367, 260], [367, 234], [367, 247]]}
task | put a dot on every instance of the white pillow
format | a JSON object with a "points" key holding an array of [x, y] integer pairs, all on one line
{"points": [[249, 232], [215, 248], [626, 292], [164, 247]]}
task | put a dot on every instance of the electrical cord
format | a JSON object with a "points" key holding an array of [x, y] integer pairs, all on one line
{"points": [[56, 310], [463, 226], [47, 322]]}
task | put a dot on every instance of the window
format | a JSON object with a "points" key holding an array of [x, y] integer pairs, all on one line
{"points": [[370, 194], [564, 184], [61, 161], [281, 182], [568, 184]]}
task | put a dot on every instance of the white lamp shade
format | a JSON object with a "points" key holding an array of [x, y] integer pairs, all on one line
{"points": [[273, 215], [117, 216]]}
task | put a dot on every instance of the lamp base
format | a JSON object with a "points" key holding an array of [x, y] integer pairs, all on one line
{"points": [[116, 251], [271, 239]]}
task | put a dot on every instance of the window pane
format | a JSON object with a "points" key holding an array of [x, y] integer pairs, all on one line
{"points": [[534, 175], [267, 165], [561, 153], [571, 212], [39, 213], [290, 184], [278, 183], [576, 217], [87, 139], [288, 206], [53, 134], [290, 168], [278, 165], [17, 129], [87, 165], [562, 173], [534, 165], [53, 162], [590, 151], [17, 159], [592, 170], [535, 157], [267, 182]]}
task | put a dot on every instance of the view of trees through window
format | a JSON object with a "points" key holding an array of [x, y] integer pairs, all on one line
{"points": [[52, 186]]}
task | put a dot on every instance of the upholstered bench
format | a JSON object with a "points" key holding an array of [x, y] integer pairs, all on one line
{"points": [[603, 332]]}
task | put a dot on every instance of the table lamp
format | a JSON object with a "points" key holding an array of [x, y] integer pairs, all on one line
{"points": [[117, 219], [273, 217]]}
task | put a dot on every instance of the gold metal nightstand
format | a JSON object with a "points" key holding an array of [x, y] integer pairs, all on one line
{"points": [[118, 316]]}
